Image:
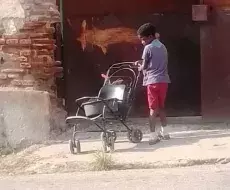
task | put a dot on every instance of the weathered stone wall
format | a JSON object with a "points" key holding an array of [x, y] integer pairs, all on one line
{"points": [[29, 108], [25, 117]]}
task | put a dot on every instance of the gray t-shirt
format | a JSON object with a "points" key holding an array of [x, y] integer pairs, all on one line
{"points": [[156, 56]]}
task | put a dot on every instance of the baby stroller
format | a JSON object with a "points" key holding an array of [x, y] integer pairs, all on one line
{"points": [[113, 103]]}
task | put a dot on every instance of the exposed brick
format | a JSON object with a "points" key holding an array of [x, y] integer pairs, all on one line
{"points": [[37, 64], [43, 41], [44, 58], [12, 70], [40, 18], [10, 50], [43, 52], [51, 52], [26, 30], [50, 30], [27, 82], [22, 59], [16, 36], [34, 46], [53, 70], [13, 75], [25, 65], [3, 76], [40, 35], [46, 75], [40, 30], [44, 46], [47, 70], [25, 41], [34, 24], [12, 41], [2, 41], [50, 64], [16, 82], [28, 77], [34, 53], [25, 52]]}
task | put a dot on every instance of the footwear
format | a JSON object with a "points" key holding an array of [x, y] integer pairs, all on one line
{"points": [[162, 134], [154, 138]]}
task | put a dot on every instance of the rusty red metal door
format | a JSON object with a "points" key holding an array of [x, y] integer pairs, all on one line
{"points": [[215, 61], [97, 37]]}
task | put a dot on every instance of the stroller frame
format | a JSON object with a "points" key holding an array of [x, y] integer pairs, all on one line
{"points": [[110, 93]]}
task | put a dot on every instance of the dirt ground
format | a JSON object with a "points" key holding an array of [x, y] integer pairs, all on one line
{"points": [[191, 144]]}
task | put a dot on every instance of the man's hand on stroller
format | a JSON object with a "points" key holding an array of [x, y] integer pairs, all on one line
{"points": [[139, 64]]}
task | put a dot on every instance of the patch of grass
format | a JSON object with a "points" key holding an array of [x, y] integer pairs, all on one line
{"points": [[102, 162], [6, 150]]}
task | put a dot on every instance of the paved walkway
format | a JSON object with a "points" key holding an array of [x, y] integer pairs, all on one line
{"points": [[184, 148]]}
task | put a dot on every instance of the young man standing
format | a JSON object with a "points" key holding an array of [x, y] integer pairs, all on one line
{"points": [[154, 66]]}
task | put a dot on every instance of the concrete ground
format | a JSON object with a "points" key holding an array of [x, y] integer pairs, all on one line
{"points": [[190, 145], [191, 178]]}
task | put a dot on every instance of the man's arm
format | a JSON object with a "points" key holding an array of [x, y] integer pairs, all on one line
{"points": [[146, 57]]}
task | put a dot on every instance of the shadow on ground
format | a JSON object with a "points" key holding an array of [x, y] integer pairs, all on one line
{"points": [[176, 140]]}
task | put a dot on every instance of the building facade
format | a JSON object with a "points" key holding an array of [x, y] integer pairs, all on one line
{"points": [[97, 34]]}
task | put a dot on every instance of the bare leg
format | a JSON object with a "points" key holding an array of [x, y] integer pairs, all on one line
{"points": [[152, 123], [152, 120], [162, 133], [163, 117]]}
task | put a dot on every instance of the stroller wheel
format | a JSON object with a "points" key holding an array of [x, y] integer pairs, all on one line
{"points": [[104, 142], [72, 147], [113, 134], [111, 144], [135, 136], [78, 147], [75, 145]]}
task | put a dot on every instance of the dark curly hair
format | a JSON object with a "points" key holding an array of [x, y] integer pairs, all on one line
{"points": [[146, 30]]}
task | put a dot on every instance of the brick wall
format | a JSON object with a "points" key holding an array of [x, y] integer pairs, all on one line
{"points": [[27, 53]]}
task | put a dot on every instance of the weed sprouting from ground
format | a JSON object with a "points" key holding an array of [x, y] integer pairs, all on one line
{"points": [[102, 161], [6, 150]]}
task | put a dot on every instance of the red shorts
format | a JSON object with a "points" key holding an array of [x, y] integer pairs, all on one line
{"points": [[156, 95]]}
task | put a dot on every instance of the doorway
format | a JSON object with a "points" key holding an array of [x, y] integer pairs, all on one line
{"points": [[92, 43]]}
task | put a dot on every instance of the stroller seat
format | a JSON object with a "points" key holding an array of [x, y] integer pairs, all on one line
{"points": [[108, 102]]}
